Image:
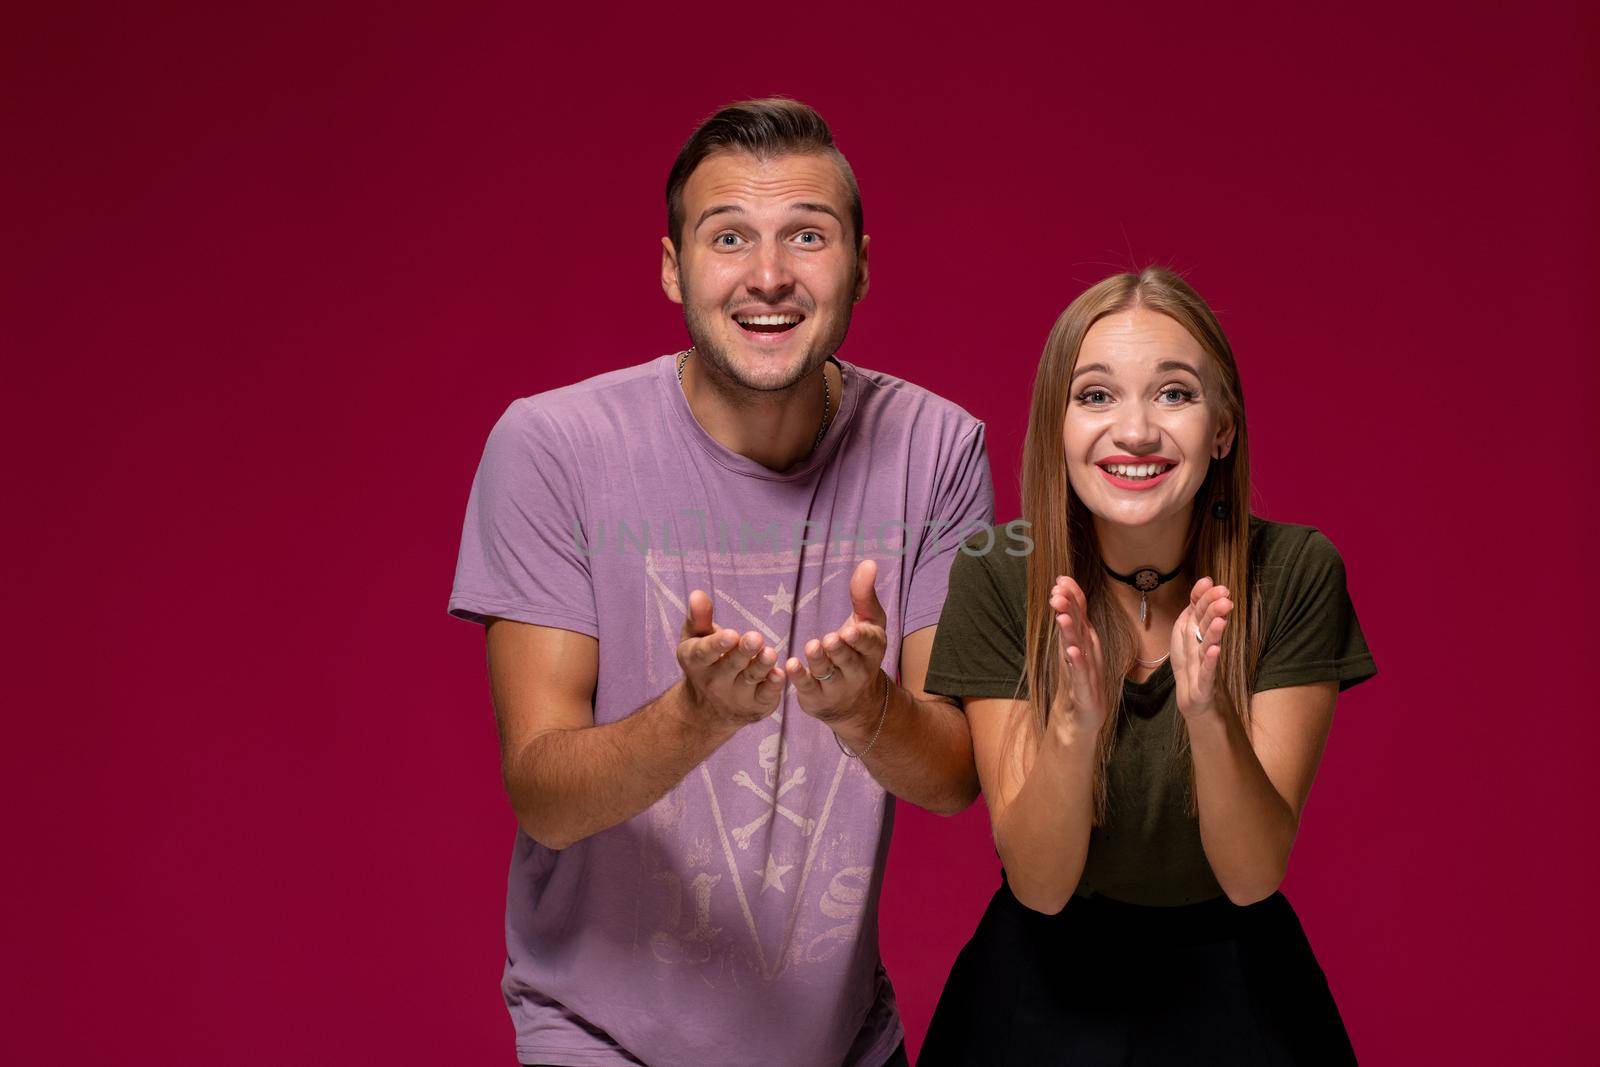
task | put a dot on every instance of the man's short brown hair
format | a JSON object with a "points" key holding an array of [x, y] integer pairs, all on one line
{"points": [[766, 128]]}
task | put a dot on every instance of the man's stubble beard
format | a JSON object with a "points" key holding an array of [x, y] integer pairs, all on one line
{"points": [[728, 370]]}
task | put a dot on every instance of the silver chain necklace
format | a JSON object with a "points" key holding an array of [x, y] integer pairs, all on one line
{"points": [[826, 397]]}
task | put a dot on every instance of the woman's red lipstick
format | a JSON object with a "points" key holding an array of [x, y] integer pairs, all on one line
{"points": [[1140, 483]]}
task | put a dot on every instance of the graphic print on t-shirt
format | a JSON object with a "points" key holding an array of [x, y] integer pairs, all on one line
{"points": [[749, 901]]}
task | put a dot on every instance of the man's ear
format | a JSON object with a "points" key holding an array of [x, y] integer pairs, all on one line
{"points": [[862, 279], [669, 272]]}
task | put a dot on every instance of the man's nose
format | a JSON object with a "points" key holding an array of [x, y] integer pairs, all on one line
{"points": [[771, 271]]}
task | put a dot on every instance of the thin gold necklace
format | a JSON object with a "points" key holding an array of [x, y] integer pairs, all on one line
{"points": [[826, 397]]}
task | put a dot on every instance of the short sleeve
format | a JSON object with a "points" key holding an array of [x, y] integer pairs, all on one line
{"points": [[963, 502], [978, 648], [522, 551], [1314, 635]]}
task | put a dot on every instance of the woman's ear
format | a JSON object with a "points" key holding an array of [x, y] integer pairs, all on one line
{"points": [[1224, 440]]}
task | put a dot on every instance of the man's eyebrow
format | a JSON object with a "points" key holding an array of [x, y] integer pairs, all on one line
{"points": [[717, 209], [821, 209], [735, 209]]}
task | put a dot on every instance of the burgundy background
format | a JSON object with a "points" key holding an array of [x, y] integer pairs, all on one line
{"points": [[271, 275]]}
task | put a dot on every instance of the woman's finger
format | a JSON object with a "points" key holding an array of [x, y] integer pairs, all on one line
{"points": [[1208, 606]]}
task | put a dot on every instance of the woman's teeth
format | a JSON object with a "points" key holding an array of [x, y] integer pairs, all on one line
{"points": [[1137, 471]]}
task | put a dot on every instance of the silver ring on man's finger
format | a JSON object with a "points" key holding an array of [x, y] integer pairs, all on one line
{"points": [[825, 677]]}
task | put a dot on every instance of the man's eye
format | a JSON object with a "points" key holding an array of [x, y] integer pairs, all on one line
{"points": [[810, 237], [725, 240]]}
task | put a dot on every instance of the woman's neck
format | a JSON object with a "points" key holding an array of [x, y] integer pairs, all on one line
{"points": [[1159, 544]]}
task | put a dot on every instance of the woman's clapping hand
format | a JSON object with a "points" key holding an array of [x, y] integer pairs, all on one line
{"points": [[1080, 696], [1197, 647]]}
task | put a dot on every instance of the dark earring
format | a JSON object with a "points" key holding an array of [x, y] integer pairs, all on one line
{"points": [[1219, 510]]}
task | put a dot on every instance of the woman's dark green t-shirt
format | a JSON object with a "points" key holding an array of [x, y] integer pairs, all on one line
{"points": [[1149, 851]]}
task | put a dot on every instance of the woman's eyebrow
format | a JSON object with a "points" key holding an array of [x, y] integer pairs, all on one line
{"points": [[1089, 368], [1177, 364]]}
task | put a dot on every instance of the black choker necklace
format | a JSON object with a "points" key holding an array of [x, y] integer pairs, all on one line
{"points": [[1146, 580]]}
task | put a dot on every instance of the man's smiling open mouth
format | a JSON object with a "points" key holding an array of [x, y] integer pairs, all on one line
{"points": [[768, 322]]}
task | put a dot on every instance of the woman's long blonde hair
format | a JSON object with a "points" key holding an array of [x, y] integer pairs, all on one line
{"points": [[1219, 548]]}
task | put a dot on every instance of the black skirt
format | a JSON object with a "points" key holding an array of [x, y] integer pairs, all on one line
{"points": [[1110, 983]]}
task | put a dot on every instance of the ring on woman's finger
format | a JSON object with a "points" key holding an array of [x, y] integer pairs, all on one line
{"points": [[1198, 636], [824, 677]]}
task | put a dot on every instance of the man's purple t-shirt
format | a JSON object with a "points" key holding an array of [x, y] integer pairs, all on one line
{"points": [[735, 920]]}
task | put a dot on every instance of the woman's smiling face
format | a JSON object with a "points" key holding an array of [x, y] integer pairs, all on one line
{"points": [[1143, 419]]}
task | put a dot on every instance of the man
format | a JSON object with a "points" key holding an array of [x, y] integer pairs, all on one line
{"points": [[700, 576]]}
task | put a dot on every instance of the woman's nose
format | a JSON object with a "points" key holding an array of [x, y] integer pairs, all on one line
{"points": [[1135, 431]]}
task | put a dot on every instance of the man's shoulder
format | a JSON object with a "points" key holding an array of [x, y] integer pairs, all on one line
{"points": [[903, 399], [591, 402]]}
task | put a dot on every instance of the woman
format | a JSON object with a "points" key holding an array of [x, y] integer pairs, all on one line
{"points": [[1149, 671]]}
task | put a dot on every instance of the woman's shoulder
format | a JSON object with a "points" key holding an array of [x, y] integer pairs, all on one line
{"points": [[1293, 562], [993, 559], [1001, 547], [1283, 546]]}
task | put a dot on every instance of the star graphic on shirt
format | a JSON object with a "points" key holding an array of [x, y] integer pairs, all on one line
{"points": [[782, 600], [772, 877]]}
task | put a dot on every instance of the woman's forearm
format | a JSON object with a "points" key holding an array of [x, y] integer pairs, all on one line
{"points": [[1246, 827], [1042, 835]]}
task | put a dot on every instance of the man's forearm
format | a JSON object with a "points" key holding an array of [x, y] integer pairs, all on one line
{"points": [[566, 785], [923, 755]]}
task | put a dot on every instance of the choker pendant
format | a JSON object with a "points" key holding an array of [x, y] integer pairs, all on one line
{"points": [[1147, 580]]}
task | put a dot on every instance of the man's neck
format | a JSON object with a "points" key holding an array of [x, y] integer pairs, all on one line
{"points": [[775, 429]]}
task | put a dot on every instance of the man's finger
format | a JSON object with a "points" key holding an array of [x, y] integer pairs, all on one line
{"points": [[704, 651], [843, 656], [800, 678], [822, 668], [741, 655], [760, 667], [698, 622], [770, 691], [863, 637], [864, 594]]}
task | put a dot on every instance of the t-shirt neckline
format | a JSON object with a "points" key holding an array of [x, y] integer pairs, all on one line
{"points": [[1154, 686], [678, 404]]}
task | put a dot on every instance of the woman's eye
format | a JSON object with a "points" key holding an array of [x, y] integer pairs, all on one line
{"points": [[1179, 395], [1093, 396]]}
